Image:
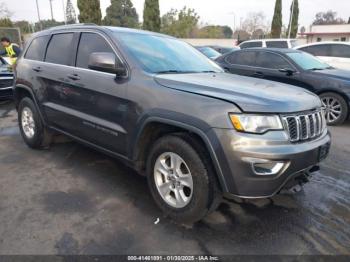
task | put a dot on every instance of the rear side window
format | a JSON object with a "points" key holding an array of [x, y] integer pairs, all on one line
{"points": [[59, 49], [271, 61], [246, 58], [90, 43], [36, 50], [251, 44], [317, 50], [277, 44], [340, 51]]}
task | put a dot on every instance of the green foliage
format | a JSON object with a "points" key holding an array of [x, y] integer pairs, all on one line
{"points": [[276, 26], [214, 31], [71, 16], [6, 22], [24, 26], [90, 11], [151, 16], [121, 13], [327, 18], [45, 24], [180, 23], [295, 19]]}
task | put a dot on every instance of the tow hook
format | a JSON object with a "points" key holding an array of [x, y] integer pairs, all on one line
{"points": [[296, 184]]}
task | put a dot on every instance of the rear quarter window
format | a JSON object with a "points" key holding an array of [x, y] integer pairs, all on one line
{"points": [[37, 48]]}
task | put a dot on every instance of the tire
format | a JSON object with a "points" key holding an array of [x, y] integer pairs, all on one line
{"points": [[205, 194], [32, 129], [335, 106]]}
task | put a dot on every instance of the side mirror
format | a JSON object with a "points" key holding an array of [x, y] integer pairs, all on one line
{"points": [[287, 71], [106, 62]]}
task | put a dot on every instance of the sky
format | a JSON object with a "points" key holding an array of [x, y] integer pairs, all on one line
{"points": [[218, 12]]}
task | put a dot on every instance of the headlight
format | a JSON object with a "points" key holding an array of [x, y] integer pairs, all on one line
{"points": [[256, 123]]}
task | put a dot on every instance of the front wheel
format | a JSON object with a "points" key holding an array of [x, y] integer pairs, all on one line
{"points": [[336, 108], [181, 181]]}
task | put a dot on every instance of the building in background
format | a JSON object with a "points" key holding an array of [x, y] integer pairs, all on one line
{"points": [[321, 33]]}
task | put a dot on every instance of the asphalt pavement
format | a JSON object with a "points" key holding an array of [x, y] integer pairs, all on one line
{"points": [[70, 199]]}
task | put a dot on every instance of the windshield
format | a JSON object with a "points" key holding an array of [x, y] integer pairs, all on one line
{"points": [[294, 43], [307, 61], [209, 52], [158, 54]]}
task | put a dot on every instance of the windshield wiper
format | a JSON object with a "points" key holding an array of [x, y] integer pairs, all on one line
{"points": [[317, 68], [173, 72]]}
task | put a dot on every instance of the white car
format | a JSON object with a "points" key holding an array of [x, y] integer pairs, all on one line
{"points": [[271, 43], [336, 54]]}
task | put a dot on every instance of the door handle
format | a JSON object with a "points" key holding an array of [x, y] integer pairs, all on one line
{"points": [[74, 77], [37, 69], [258, 74]]}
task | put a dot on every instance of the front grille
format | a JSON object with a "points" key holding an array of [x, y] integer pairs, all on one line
{"points": [[6, 83], [304, 126]]}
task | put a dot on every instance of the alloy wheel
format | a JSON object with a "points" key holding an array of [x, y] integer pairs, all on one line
{"points": [[332, 107], [28, 123], [173, 180]]}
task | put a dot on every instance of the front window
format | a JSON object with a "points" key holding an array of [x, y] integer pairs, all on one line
{"points": [[307, 61], [160, 54]]}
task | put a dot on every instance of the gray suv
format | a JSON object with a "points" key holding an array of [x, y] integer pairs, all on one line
{"points": [[163, 108]]}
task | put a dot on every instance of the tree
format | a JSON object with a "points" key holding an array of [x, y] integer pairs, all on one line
{"points": [[254, 21], [241, 35], [302, 30], [258, 34], [180, 23], [24, 26], [276, 25], [210, 31], [71, 16], [293, 23], [121, 13], [349, 21], [151, 16], [47, 24], [6, 22], [90, 11], [327, 18], [227, 31]]}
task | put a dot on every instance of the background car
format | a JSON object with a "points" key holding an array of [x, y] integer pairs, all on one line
{"points": [[223, 50], [269, 43], [296, 68], [336, 54], [6, 80], [208, 52]]}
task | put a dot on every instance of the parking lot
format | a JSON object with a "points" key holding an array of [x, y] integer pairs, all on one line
{"points": [[70, 199]]}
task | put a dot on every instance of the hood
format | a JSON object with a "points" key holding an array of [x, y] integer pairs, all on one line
{"points": [[250, 94], [335, 73], [5, 70]]}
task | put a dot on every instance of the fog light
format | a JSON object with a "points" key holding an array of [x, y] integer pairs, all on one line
{"points": [[264, 167]]}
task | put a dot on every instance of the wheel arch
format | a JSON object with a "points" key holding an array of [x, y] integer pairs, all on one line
{"points": [[156, 127]]}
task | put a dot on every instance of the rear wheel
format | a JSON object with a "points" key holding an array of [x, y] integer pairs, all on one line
{"points": [[33, 131], [181, 180], [336, 108]]}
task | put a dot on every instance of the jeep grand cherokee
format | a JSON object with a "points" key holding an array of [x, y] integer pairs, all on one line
{"points": [[169, 112]]}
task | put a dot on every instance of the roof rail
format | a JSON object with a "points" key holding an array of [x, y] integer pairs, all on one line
{"points": [[72, 25]]}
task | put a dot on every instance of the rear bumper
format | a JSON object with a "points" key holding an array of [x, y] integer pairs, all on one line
{"points": [[239, 154]]}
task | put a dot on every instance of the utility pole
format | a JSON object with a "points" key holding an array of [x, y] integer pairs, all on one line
{"points": [[37, 9], [51, 9], [64, 13], [291, 19]]}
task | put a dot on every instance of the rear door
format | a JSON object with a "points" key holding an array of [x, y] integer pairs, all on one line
{"points": [[241, 62], [269, 64], [97, 102], [55, 73]]}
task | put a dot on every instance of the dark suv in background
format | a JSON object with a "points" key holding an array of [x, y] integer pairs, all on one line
{"points": [[169, 112], [296, 68]]}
